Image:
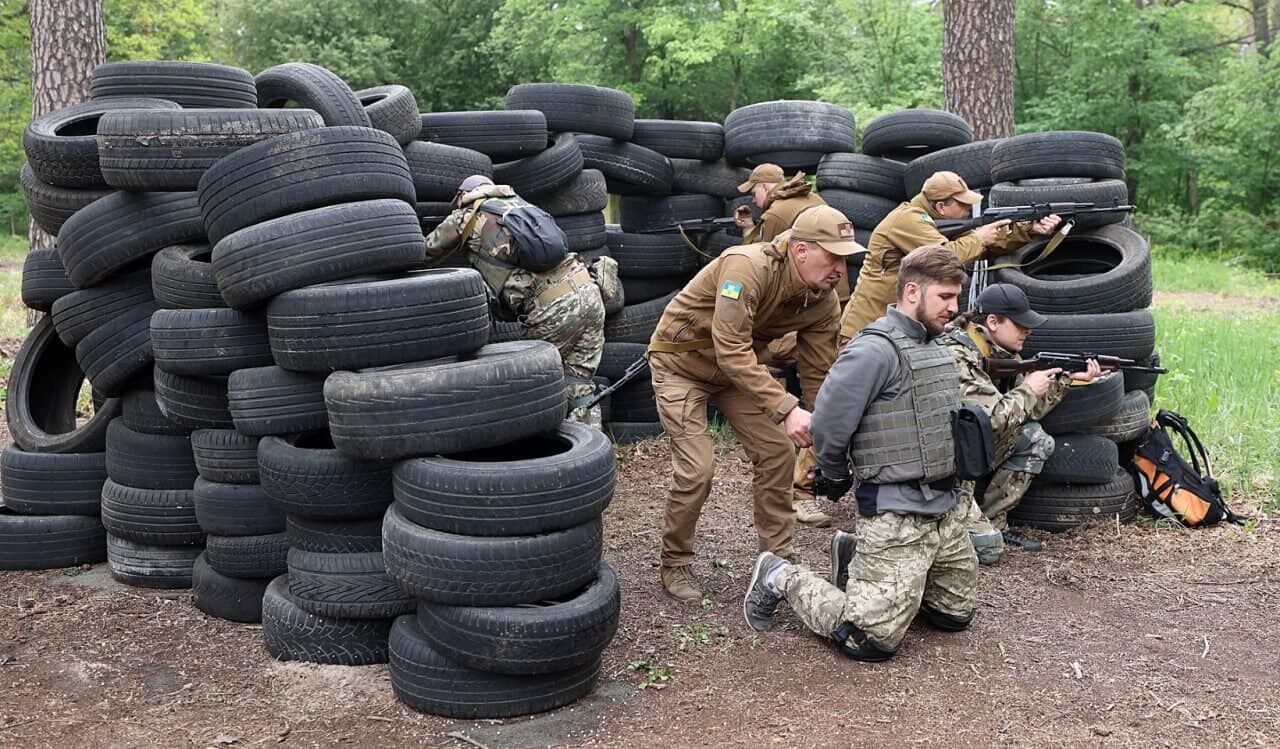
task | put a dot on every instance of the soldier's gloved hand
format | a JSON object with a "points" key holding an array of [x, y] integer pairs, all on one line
{"points": [[832, 489]]}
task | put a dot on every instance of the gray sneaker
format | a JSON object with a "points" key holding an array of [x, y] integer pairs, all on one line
{"points": [[989, 545], [762, 600], [842, 547]]}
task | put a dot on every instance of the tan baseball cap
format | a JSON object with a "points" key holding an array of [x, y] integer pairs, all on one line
{"points": [[943, 185], [827, 228], [762, 173]]}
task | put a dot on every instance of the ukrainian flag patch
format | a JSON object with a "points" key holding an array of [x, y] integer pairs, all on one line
{"points": [[731, 289]]}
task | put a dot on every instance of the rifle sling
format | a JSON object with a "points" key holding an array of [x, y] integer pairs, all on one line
{"points": [[462, 238], [1052, 245], [689, 242]]}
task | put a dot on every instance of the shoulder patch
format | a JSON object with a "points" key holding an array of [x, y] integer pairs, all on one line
{"points": [[926, 218], [731, 289]]}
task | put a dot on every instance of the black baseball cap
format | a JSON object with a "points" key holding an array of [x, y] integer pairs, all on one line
{"points": [[1011, 302]]}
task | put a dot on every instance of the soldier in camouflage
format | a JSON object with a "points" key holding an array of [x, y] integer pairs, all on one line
{"points": [[998, 328], [562, 306], [883, 418]]}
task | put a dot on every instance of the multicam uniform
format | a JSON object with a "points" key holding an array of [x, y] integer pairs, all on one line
{"points": [[561, 306], [1022, 446]]}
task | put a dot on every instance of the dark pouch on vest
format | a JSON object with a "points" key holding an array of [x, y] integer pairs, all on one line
{"points": [[975, 442]]}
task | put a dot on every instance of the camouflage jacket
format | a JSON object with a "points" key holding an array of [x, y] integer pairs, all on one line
{"points": [[1009, 406]]}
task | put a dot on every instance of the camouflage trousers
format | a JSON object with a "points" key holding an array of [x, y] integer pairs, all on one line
{"points": [[574, 322], [1020, 462], [900, 563]]}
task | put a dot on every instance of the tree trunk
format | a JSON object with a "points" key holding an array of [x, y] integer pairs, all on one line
{"points": [[1261, 23], [977, 64], [68, 39]]}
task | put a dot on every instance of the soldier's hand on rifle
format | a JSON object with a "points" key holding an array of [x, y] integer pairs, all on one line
{"points": [[990, 233], [1093, 372], [832, 489], [1046, 225], [742, 217], [1040, 380], [797, 426]]}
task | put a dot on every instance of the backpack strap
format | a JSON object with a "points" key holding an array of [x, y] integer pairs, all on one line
{"points": [[467, 230]]}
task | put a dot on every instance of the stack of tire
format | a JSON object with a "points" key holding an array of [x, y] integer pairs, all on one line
{"points": [[1095, 290]]}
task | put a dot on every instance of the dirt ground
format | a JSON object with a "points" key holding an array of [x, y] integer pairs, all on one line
{"points": [[1114, 635]]}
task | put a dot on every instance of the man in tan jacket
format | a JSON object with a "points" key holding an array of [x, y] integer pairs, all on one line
{"points": [[780, 199], [911, 225], [707, 347]]}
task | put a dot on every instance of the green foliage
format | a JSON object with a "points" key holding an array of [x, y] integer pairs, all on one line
{"points": [[151, 30]]}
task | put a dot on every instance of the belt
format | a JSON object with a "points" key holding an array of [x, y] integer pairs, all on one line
{"points": [[580, 277], [675, 347]]}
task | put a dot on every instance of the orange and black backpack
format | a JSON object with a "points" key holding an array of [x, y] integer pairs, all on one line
{"points": [[1170, 487]]}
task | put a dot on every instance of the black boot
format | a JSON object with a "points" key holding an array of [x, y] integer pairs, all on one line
{"points": [[1014, 538]]}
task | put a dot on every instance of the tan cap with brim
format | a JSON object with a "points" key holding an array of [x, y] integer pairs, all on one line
{"points": [[949, 185], [769, 173], [827, 228]]}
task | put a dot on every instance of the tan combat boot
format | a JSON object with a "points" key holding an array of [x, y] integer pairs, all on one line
{"points": [[681, 584], [810, 512]]}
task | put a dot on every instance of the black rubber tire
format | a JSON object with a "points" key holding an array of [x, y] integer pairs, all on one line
{"points": [[536, 485], [347, 586], [312, 87], [438, 169], [203, 342], [1129, 335], [500, 135], [972, 161], [431, 214], [915, 131], [291, 634], [114, 354], [864, 210], [584, 231], [792, 134], [1102, 193], [62, 146], [429, 682], [182, 278], [144, 565], [83, 311], [1058, 153], [634, 403], [358, 324], [651, 255], [636, 322], [1130, 422], [272, 400], [41, 399], [45, 542], [551, 636], [44, 280], [1086, 406], [857, 172], [236, 509], [124, 228], [225, 456], [306, 477], [682, 139], [52, 483], [640, 290], [393, 110], [168, 150], [627, 168], [164, 517], [573, 107], [504, 392], [141, 412], [709, 178], [1081, 459], [149, 461], [630, 432], [50, 206], [1107, 269], [193, 402], [334, 536], [260, 557], [300, 171], [587, 193], [194, 85], [639, 214], [488, 571], [223, 597], [1058, 507], [545, 172]]}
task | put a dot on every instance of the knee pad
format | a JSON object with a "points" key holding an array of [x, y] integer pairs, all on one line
{"points": [[946, 622], [859, 646]]}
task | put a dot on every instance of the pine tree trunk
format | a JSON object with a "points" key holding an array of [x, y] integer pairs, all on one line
{"points": [[977, 64]]}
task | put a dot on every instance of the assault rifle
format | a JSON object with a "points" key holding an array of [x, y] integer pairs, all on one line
{"points": [[693, 226], [1021, 213], [632, 371], [1001, 368]]}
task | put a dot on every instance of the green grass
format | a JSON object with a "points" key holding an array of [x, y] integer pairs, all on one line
{"points": [[13, 315], [1201, 274]]}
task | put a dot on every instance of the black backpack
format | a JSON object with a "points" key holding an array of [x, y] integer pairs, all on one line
{"points": [[539, 242], [1168, 485]]}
